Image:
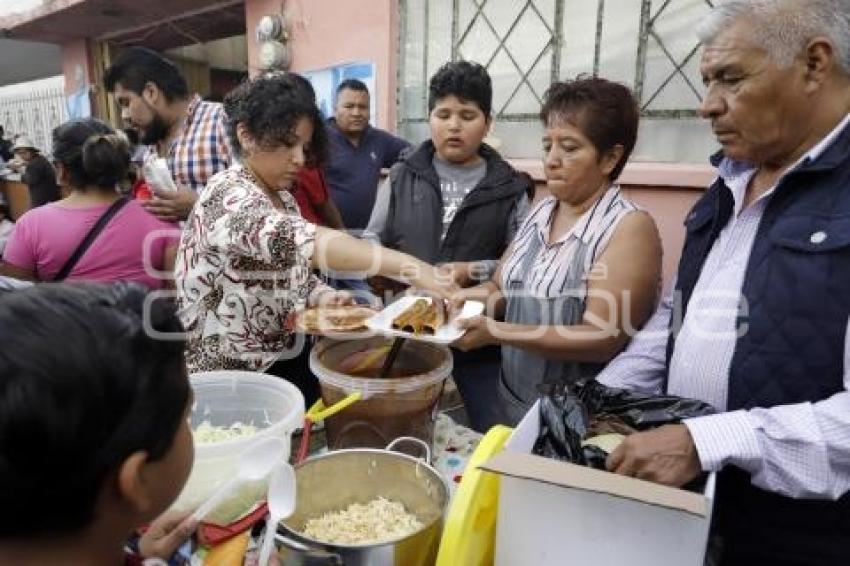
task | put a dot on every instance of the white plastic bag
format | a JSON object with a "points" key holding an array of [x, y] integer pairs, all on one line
{"points": [[157, 175]]}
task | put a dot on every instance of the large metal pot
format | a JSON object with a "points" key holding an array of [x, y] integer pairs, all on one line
{"points": [[335, 480]]}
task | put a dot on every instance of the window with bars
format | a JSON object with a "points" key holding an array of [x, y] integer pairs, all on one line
{"points": [[33, 109], [649, 45]]}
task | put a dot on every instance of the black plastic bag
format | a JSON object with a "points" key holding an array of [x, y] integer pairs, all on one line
{"points": [[638, 410], [563, 425], [566, 412]]}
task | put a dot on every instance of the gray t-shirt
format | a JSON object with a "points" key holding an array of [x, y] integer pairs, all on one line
{"points": [[456, 181], [471, 176]]}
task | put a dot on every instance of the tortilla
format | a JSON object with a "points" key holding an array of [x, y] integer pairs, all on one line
{"points": [[434, 318], [333, 319], [408, 320], [423, 317]]}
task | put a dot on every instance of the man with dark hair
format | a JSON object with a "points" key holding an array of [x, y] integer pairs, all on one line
{"points": [[358, 152], [188, 132]]}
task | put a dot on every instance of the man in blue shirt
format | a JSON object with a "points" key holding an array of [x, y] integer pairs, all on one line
{"points": [[358, 152]]}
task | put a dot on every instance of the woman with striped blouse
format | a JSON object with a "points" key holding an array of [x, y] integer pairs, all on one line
{"points": [[582, 273]]}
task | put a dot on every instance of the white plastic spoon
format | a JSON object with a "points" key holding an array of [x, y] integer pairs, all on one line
{"points": [[281, 501], [255, 463]]}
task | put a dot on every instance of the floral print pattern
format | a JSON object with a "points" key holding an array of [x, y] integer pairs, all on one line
{"points": [[243, 266]]}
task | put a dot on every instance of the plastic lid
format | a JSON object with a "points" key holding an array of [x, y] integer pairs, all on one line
{"points": [[469, 536], [370, 387], [271, 404]]}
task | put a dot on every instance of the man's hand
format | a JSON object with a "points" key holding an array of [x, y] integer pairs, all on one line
{"points": [[666, 455], [478, 333], [166, 534], [171, 206]]}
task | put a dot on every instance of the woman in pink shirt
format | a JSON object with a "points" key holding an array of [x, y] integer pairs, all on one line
{"points": [[90, 159]]}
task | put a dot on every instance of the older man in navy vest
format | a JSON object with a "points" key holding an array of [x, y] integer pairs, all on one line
{"points": [[759, 317]]}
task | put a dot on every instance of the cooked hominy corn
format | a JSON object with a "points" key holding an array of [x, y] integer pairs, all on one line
{"points": [[376, 521]]}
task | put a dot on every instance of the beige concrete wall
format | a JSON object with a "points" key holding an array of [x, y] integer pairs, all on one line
{"points": [[330, 32]]}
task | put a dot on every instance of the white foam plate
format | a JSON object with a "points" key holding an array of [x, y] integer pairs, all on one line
{"points": [[382, 323]]}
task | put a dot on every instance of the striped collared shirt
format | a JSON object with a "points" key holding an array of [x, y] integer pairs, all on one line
{"points": [[201, 148], [549, 269]]}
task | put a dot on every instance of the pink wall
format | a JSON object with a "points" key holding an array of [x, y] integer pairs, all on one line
{"points": [[329, 32], [668, 206], [76, 52]]}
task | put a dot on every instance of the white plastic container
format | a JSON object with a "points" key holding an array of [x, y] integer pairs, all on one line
{"points": [[222, 398], [157, 174], [382, 322]]}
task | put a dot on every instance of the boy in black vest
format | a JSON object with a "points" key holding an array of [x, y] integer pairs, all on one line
{"points": [[455, 200]]}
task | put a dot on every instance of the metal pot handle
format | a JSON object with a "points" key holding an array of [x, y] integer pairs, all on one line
{"points": [[422, 444], [314, 553]]}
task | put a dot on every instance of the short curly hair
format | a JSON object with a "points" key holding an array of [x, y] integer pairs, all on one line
{"points": [[605, 111], [465, 80], [270, 107]]}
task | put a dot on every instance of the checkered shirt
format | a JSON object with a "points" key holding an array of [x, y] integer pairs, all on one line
{"points": [[201, 148]]}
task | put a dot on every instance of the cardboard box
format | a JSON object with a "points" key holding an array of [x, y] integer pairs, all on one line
{"points": [[554, 513]]}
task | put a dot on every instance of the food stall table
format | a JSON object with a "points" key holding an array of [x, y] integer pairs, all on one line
{"points": [[15, 193]]}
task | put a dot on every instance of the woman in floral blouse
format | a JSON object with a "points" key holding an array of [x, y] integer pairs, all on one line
{"points": [[246, 255]]}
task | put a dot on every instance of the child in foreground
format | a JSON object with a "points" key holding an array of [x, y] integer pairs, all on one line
{"points": [[94, 436]]}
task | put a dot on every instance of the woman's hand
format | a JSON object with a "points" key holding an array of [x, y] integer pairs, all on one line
{"points": [[333, 298], [466, 273], [430, 278], [166, 534], [479, 333], [458, 272], [481, 293]]}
